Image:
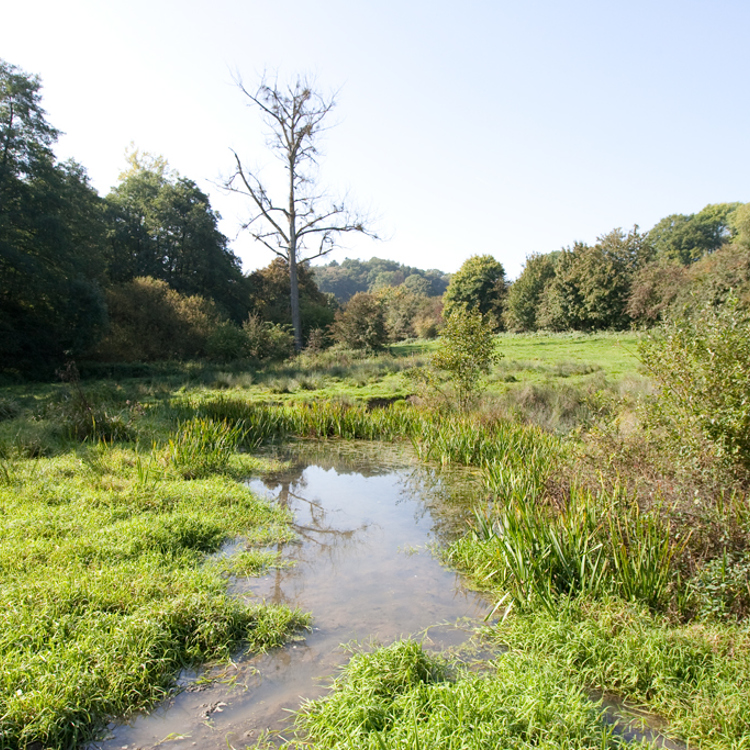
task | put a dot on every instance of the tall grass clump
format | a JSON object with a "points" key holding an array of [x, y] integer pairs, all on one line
{"points": [[201, 447], [537, 553], [402, 697]]}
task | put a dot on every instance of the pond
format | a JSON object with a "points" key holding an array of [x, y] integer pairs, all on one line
{"points": [[368, 518]]}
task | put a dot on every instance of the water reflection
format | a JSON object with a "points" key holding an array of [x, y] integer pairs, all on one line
{"points": [[366, 518]]}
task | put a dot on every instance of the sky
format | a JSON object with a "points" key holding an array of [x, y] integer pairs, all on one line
{"points": [[502, 128]]}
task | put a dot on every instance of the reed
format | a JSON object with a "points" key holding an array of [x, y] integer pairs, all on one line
{"points": [[594, 545], [201, 446]]}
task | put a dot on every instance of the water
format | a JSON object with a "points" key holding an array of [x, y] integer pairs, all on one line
{"points": [[367, 518]]}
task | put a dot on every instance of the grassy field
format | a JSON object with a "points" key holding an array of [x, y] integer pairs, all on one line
{"points": [[116, 494]]}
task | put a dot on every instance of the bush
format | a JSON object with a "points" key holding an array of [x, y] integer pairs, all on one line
{"points": [[701, 365], [466, 352], [227, 342], [266, 340], [150, 321], [361, 325]]}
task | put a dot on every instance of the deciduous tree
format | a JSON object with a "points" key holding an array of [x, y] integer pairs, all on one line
{"points": [[300, 224], [479, 284]]}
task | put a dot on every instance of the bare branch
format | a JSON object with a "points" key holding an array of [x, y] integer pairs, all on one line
{"points": [[295, 116]]}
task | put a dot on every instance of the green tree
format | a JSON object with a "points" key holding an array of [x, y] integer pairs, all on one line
{"points": [[654, 289], [345, 279], [688, 237], [591, 286], [478, 285], [51, 238], [163, 227], [740, 220], [270, 297], [466, 352], [524, 294], [361, 324], [295, 117]]}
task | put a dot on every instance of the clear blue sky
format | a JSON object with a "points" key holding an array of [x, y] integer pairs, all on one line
{"points": [[482, 127]]}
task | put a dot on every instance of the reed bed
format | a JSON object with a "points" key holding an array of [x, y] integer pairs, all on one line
{"points": [[595, 545]]}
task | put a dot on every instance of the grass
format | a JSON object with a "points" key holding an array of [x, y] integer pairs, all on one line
{"points": [[625, 578], [108, 590], [401, 697], [697, 676]]}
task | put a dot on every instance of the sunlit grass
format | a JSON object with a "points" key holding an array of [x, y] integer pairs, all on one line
{"points": [[401, 697], [106, 591]]}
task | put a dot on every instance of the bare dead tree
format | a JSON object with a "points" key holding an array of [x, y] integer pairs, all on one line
{"points": [[304, 224]]}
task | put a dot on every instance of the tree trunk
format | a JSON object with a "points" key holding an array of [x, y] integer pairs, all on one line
{"points": [[294, 298]]}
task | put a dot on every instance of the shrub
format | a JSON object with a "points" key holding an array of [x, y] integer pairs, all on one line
{"points": [[361, 325], [701, 365], [150, 321], [266, 340], [466, 352], [227, 342]]}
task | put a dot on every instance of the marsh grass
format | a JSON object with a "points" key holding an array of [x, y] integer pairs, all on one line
{"points": [[106, 593], [201, 447], [536, 553], [696, 676], [401, 697]]}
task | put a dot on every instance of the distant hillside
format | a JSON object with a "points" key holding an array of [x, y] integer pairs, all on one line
{"points": [[345, 279]]}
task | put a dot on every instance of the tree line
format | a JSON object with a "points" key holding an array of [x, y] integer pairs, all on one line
{"points": [[144, 273], [636, 279]]}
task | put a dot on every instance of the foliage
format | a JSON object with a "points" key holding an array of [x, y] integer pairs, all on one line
{"points": [[702, 367], [345, 279], [270, 297], [149, 321], [266, 340], [162, 226], [591, 284], [409, 314], [51, 230], [740, 221], [688, 237], [361, 324], [715, 278], [479, 284], [523, 297], [466, 352], [655, 287], [227, 342]]}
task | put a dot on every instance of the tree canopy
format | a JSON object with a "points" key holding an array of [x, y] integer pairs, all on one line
{"points": [[478, 284], [163, 227], [51, 225]]}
